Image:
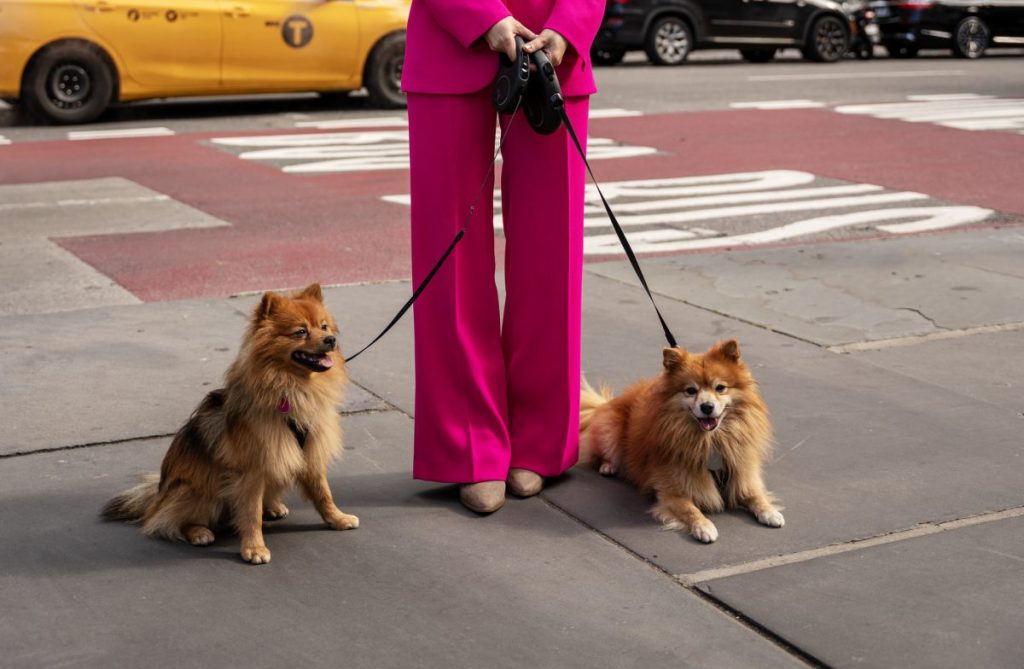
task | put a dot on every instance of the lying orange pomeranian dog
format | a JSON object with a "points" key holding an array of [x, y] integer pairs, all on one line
{"points": [[274, 424], [666, 434]]}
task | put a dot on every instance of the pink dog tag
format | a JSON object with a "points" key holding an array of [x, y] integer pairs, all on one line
{"points": [[284, 406]]}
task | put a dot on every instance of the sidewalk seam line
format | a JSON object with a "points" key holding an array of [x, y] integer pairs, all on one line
{"points": [[91, 444], [737, 616], [709, 310], [393, 407], [921, 530], [913, 340]]}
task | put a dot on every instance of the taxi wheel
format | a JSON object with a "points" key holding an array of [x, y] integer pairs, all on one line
{"points": [[68, 83], [383, 76]]}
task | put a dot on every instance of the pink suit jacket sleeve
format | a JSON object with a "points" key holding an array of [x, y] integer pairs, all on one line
{"points": [[466, 20], [577, 21]]}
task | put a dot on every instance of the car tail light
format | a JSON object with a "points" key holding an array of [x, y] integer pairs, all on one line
{"points": [[916, 4]]}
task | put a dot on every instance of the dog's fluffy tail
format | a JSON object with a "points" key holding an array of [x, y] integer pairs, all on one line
{"points": [[131, 504], [590, 401]]}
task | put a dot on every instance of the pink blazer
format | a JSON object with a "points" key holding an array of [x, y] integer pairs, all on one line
{"points": [[445, 52]]}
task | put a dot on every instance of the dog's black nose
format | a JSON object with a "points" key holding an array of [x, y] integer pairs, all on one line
{"points": [[707, 408], [330, 341]]}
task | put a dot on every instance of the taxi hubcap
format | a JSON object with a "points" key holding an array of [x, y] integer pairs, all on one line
{"points": [[69, 85]]}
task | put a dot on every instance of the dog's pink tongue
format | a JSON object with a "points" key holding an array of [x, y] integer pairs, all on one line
{"points": [[327, 361], [709, 423]]}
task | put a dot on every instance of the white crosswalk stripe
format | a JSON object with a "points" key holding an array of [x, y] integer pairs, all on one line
{"points": [[778, 104], [333, 152], [119, 133], [749, 208], [962, 111]]}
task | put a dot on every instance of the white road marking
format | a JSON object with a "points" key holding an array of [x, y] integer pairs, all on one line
{"points": [[964, 112], [123, 133], [4, 140], [736, 200], [778, 104], [614, 112], [83, 202], [855, 75], [372, 150], [346, 123]]}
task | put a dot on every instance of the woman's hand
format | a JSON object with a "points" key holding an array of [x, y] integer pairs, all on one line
{"points": [[553, 43], [502, 36]]}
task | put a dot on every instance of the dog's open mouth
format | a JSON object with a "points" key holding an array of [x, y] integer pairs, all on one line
{"points": [[708, 424], [318, 362]]}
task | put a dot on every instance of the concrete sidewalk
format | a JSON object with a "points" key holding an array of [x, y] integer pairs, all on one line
{"points": [[893, 370]]}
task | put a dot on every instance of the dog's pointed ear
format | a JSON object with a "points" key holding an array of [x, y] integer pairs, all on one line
{"points": [[312, 292], [268, 305], [673, 358], [728, 349]]}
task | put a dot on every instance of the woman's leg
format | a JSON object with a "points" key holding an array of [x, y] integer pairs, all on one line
{"points": [[460, 433], [543, 183]]}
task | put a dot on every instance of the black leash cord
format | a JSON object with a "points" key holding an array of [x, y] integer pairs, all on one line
{"points": [[615, 224], [451, 247]]}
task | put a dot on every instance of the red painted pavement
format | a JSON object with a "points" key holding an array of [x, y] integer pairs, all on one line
{"points": [[287, 230]]}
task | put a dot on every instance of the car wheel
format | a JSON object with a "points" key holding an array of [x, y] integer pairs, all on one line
{"points": [[828, 41], [757, 55], [607, 56], [669, 42], [383, 77], [971, 38], [68, 83]]}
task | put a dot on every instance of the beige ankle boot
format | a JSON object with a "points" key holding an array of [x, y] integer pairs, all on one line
{"points": [[524, 483], [483, 497]]}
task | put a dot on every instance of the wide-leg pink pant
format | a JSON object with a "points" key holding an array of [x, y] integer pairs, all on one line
{"points": [[491, 392]]}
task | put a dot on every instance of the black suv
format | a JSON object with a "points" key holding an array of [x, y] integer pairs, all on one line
{"points": [[669, 29]]}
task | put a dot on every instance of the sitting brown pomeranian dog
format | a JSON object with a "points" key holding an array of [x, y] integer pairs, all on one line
{"points": [[668, 433], [274, 424]]}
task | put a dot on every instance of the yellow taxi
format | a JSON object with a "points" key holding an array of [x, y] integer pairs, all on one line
{"points": [[69, 59]]}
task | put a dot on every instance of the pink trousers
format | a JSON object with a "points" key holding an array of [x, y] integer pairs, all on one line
{"points": [[495, 391]]}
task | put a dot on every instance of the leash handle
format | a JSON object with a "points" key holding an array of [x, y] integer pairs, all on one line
{"points": [[618, 228]]}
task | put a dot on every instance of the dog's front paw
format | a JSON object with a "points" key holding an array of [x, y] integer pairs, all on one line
{"points": [[343, 521], [704, 532], [275, 511], [256, 554], [608, 469], [772, 518], [197, 535]]}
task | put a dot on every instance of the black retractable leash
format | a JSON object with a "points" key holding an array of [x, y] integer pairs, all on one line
{"points": [[544, 106], [539, 94]]}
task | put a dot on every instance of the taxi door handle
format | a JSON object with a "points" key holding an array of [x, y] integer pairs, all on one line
{"points": [[236, 13]]}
